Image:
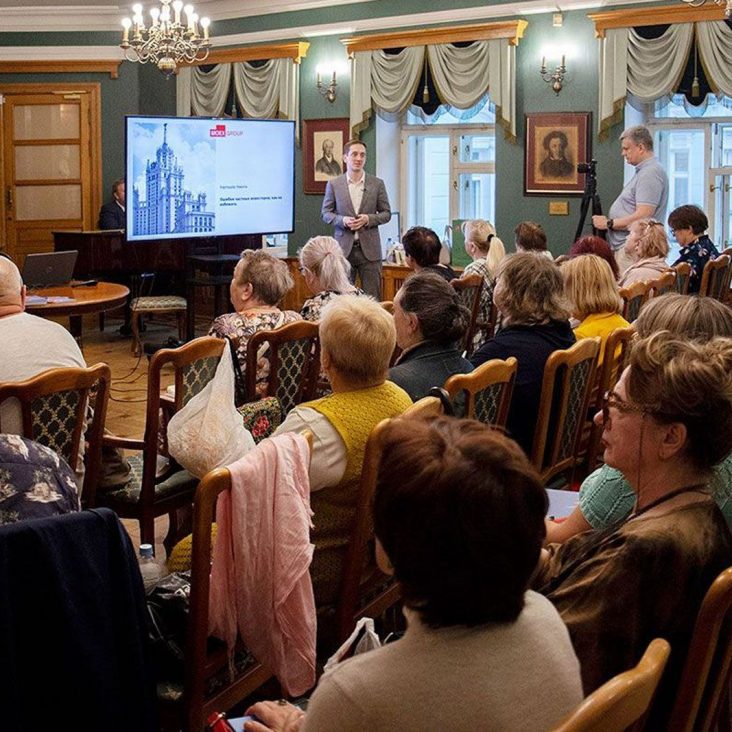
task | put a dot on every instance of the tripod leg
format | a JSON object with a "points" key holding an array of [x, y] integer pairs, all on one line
{"points": [[597, 211], [584, 206]]}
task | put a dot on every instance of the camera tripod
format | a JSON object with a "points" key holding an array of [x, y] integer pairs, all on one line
{"points": [[590, 195]]}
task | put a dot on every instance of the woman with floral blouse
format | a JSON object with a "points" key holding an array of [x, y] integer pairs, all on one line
{"points": [[689, 224]]}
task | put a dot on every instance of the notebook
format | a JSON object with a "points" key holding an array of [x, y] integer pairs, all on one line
{"points": [[51, 268]]}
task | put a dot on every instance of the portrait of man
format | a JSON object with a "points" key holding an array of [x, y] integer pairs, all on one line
{"points": [[327, 166], [558, 160]]}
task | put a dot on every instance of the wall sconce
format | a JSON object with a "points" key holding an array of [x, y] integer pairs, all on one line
{"points": [[556, 77], [328, 91]]}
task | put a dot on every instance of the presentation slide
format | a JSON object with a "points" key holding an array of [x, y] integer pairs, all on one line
{"points": [[194, 176]]}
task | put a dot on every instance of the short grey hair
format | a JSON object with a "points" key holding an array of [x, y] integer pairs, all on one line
{"points": [[639, 135]]}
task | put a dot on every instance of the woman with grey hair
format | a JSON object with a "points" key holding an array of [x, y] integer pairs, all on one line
{"points": [[326, 272]]}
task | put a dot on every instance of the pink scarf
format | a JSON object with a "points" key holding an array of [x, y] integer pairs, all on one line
{"points": [[260, 580]]}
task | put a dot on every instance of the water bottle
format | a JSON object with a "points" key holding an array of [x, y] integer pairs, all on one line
{"points": [[150, 569]]}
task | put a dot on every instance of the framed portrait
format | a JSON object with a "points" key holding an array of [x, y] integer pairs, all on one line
{"points": [[322, 151], [554, 144]]}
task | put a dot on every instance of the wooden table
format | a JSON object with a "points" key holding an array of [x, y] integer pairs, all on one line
{"points": [[95, 299]]}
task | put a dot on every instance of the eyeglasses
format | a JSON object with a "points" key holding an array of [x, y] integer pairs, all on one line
{"points": [[611, 399]]}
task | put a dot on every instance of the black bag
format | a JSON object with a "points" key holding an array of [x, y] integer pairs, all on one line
{"points": [[167, 609]]}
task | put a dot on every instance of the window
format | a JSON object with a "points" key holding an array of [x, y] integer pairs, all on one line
{"points": [[694, 145], [448, 166]]}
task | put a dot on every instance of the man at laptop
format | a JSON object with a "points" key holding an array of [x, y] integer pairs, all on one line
{"points": [[112, 214]]}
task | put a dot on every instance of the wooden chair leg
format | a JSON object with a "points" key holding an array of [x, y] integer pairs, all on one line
{"points": [[147, 530], [101, 321], [181, 324], [135, 322]]}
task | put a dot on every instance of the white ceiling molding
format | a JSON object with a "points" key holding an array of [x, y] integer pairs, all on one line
{"points": [[61, 53], [107, 17]]}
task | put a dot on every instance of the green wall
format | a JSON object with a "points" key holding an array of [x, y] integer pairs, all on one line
{"points": [[141, 89]]}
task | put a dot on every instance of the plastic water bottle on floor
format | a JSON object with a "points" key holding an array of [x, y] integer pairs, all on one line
{"points": [[151, 570]]}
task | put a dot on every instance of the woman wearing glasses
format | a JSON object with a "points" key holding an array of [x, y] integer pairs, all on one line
{"points": [[665, 425]]}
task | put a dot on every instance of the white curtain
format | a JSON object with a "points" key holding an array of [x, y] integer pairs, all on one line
{"points": [[714, 39], [266, 91], [462, 77], [209, 90]]}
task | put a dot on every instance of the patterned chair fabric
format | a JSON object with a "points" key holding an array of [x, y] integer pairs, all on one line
{"points": [[159, 302], [196, 375], [487, 403], [54, 417], [294, 357]]}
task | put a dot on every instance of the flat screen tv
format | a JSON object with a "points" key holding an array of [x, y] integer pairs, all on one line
{"points": [[202, 177]]}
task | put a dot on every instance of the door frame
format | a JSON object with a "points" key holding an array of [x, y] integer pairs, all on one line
{"points": [[94, 90]]}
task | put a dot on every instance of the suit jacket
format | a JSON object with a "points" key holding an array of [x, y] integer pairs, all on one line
{"points": [[329, 167], [111, 216], [337, 204]]}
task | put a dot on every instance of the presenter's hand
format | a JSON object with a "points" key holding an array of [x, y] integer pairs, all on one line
{"points": [[349, 221], [600, 222], [360, 221]]}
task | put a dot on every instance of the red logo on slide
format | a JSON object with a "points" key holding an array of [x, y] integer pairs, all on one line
{"points": [[218, 131]]}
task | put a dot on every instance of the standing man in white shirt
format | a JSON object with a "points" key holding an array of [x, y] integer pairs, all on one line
{"points": [[644, 196], [356, 204]]}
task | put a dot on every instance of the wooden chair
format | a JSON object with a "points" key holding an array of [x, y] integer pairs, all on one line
{"points": [[715, 278], [615, 359], [205, 659], [293, 352], [705, 679], [382, 592], [624, 700], [487, 390], [683, 274], [150, 495], [54, 407], [388, 305], [569, 377], [469, 289], [663, 284], [634, 297], [145, 304], [727, 296]]}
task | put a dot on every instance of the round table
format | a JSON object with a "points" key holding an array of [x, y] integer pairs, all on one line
{"points": [[85, 299]]}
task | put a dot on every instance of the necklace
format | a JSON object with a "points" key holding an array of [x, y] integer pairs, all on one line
{"points": [[662, 499]]}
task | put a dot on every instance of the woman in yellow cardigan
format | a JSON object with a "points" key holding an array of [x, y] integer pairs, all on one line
{"points": [[593, 296], [357, 339]]}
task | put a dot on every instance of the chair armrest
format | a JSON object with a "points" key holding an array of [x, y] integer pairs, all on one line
{"points": [[128, 443]]}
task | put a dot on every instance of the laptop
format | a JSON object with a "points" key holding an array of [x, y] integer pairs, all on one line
{"points": [[52, 268]]}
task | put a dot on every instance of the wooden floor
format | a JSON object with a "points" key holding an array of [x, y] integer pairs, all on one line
{"points": [[126, 412]]}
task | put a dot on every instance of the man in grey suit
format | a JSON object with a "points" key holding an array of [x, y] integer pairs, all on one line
{"points": [[356, 204]]}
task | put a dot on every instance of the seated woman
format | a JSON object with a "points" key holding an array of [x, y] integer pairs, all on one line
{"points": [[480, 651], [594, 298], [647, 247], [486, 251], [529, 295], [260, 281], [689, 225], [666, 423], [357, 339], [34, 481], [326, 272], [605, 497], [430, 322], [530, 237], [595, 245], [422, 249]]}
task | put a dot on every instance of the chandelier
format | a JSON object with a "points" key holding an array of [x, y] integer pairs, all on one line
{"points": [[167, 41], [699, 3]]}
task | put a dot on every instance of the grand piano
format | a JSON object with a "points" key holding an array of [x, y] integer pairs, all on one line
{"points": [[108, 255]]}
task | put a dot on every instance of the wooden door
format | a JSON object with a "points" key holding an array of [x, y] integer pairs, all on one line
{"points": [[50, 170]]}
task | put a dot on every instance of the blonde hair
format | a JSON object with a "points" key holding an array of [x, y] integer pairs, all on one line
{"points": [[688, 382], [652, 240], [531, 289], [589, 286], [698, 318], [359, 337], [323, 256], [483, 234], [267, 275]]}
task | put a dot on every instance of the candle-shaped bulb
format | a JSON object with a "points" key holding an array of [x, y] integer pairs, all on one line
{"points": [[126, 23], [543, 63], [177, 7], [205, 22], [562, 60]]}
